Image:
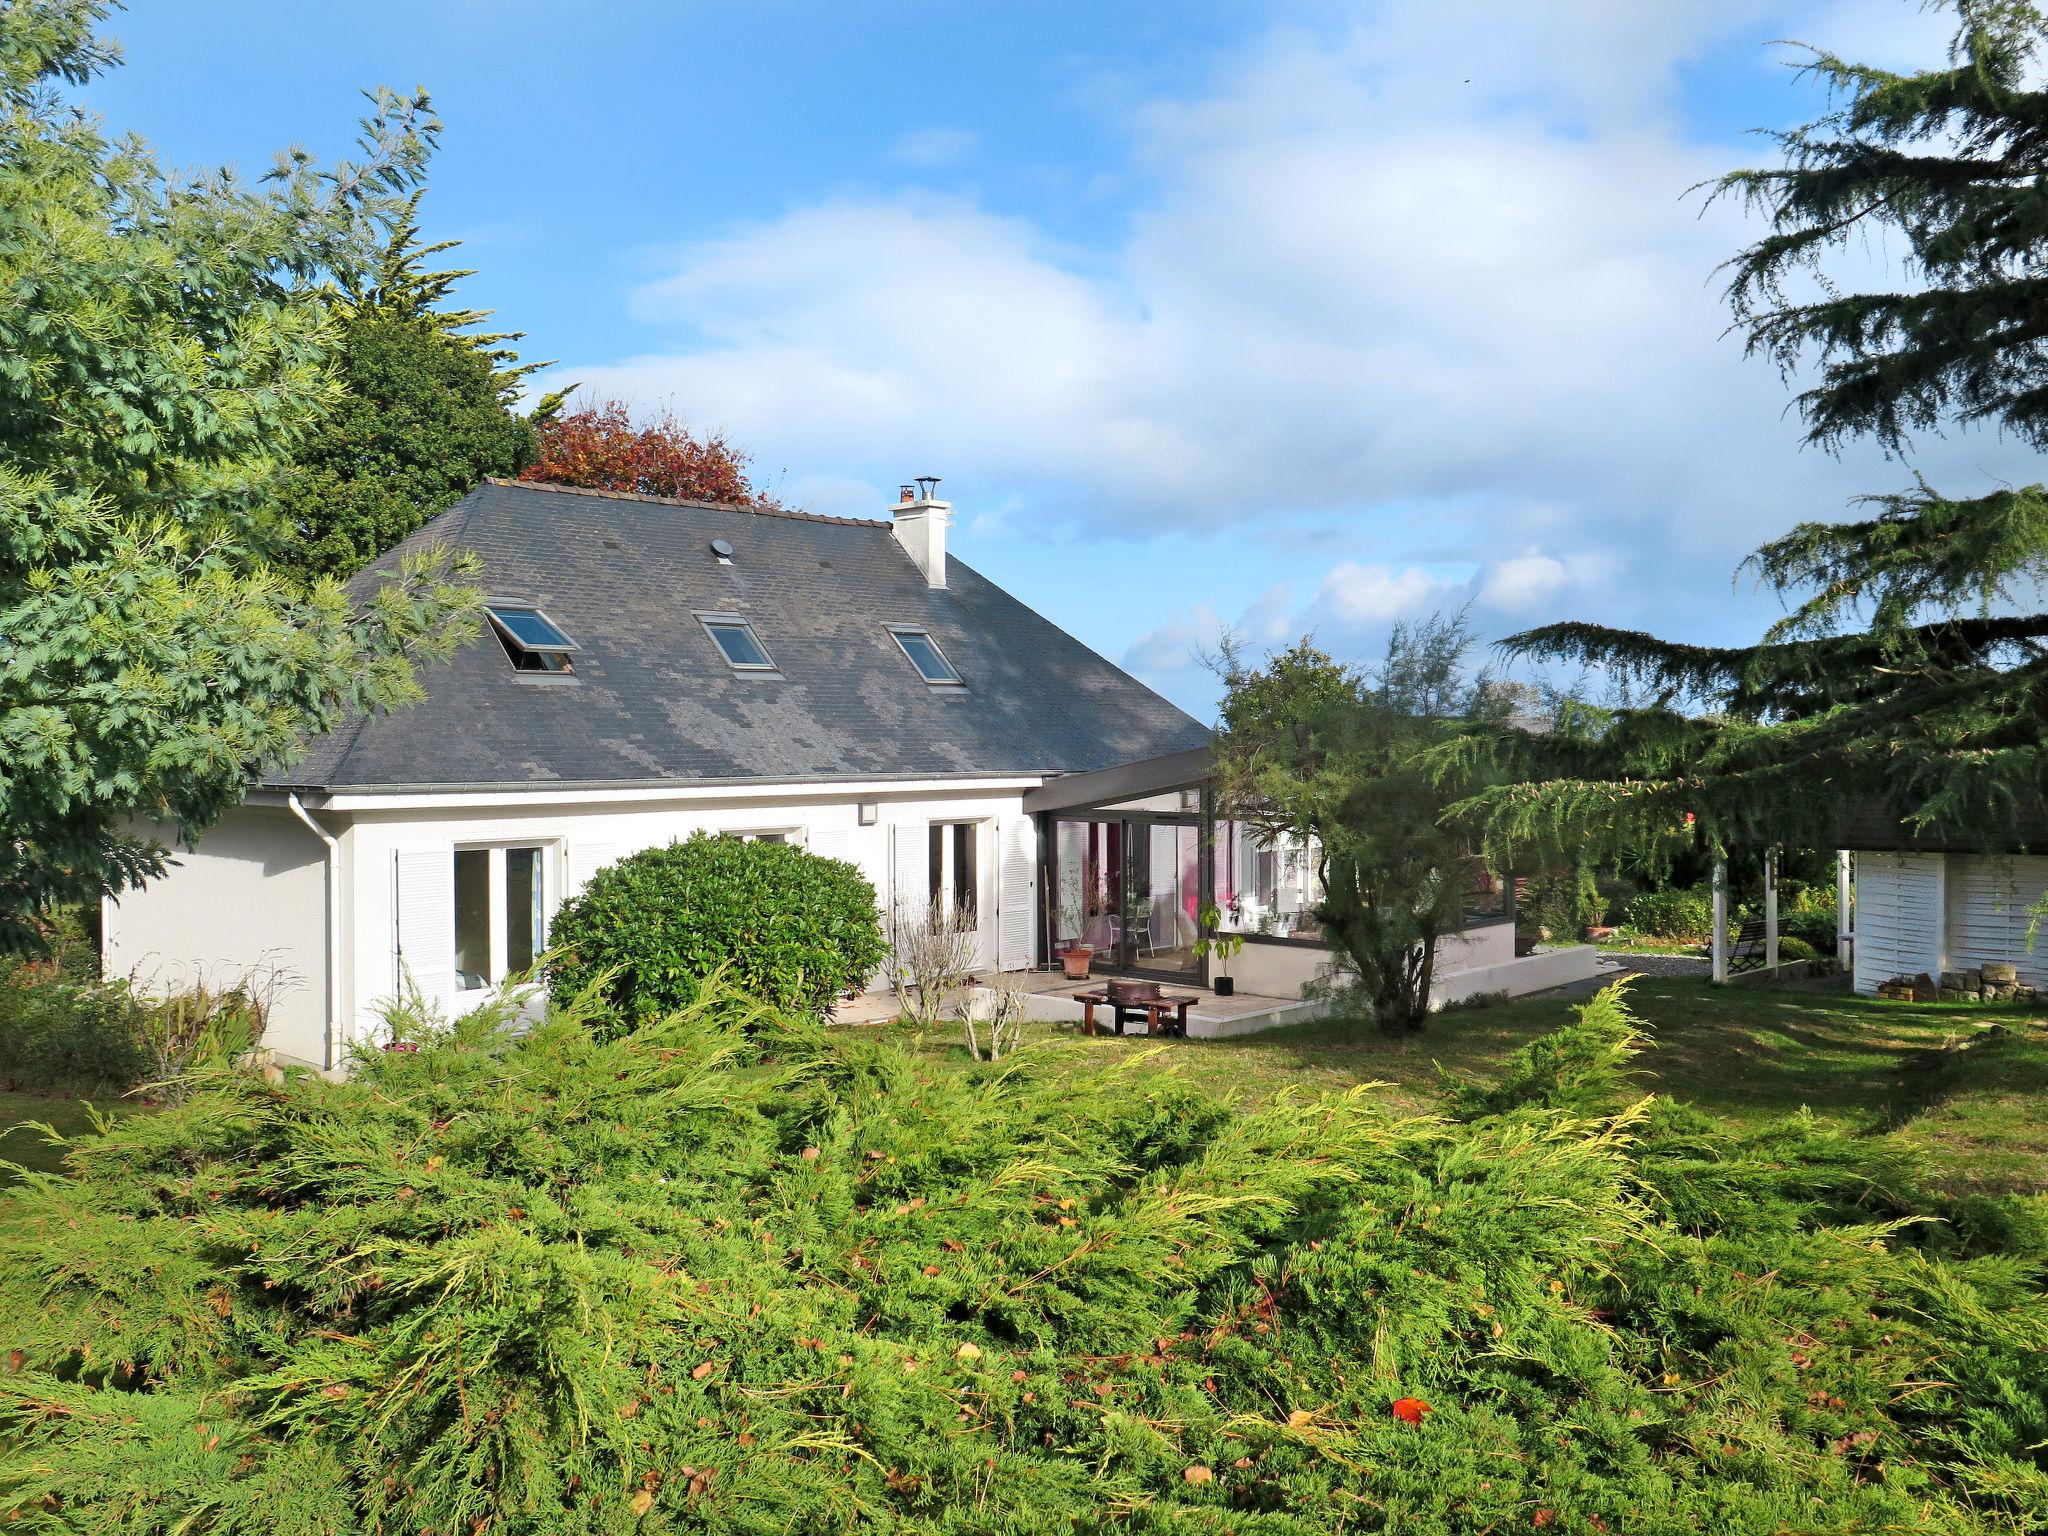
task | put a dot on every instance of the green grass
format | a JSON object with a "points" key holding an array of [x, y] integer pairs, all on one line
{"points": [[1747, 1054], [66, 1113]]}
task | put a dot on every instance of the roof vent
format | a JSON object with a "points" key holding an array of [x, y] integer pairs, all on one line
{"points": [[723, 550]]}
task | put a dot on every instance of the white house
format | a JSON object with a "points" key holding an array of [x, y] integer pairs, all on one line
{"points": [[652, 668]]}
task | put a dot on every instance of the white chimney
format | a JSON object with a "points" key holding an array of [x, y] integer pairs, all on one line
{"points": [[921, 520]]}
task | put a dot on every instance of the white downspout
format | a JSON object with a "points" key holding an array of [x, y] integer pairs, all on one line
{"points": [[333, 924]]}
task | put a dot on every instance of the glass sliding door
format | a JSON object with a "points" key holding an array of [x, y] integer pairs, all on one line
{"points": [[1163, 899], [1131, 888]]}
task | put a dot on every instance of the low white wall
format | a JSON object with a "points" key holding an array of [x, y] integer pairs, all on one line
{"points": [[1487, 944], [1278, 970], [1519, 977], [247, 904], [1285, 969]]}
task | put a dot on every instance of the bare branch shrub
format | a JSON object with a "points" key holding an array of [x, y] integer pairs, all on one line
{"points": [[931, 956], [1000, 1013]]}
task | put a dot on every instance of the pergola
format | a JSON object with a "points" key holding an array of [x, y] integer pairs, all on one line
{"points": [[1844, 936]]}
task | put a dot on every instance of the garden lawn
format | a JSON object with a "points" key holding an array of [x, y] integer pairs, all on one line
{"points": [[1967, 1094], [66, 1113]]}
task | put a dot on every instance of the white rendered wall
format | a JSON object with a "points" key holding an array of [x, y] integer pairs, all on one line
{"points": [[578, 839], [248, 903]]}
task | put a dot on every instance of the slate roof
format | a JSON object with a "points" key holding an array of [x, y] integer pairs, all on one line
{"points": [[655, 703]]}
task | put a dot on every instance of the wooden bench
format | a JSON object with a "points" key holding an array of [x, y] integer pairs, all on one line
{"points": [[1155, 1009]]}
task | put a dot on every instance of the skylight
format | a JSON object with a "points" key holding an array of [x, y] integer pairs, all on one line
{"points": [[532, 639], [924, 654], [737, 642]]}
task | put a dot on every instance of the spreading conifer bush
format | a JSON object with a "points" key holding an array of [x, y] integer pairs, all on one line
{"points": [[785, 925], [734, 1272]]}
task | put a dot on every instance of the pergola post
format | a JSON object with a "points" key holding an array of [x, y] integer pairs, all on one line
{"points": [[1845, 896], [1720, 919], [1771, 908]]}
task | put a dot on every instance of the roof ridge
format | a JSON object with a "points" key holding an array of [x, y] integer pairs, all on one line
{"points": [[679, 501]]}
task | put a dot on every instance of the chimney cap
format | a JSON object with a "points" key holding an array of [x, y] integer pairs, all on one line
{"points": [[927, 487]]}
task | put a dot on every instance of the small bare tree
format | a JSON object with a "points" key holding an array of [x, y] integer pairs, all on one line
{"points": [[931, 956], [1001, 1014]]}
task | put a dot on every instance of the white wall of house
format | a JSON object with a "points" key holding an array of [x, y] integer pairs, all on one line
{"points": [[246, 906], [1932, 912], [402, 860]]}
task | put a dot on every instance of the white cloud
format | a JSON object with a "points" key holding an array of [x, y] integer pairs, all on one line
{"points": [[1524, 584], [1178, 645], [1357, 597], [1431, 279], [934, 149]]}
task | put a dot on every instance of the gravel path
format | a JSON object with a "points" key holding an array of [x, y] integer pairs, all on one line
{"points": [[1615, 966]]}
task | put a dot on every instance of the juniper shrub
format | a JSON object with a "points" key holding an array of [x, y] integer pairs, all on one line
{"points": [[736, 1272]]}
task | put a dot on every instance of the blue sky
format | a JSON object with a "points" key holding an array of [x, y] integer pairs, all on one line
{"points": [[1287, 317]]}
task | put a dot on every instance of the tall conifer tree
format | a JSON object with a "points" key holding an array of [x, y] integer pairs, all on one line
{"points": [[428, 409], [1910, 676]]}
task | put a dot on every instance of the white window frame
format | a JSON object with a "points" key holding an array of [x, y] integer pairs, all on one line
{"points": [[566, 652], [546, 855], [898, 631], [737, 621], [794, 836]]}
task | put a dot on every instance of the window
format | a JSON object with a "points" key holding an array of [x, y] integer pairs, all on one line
{"points": [[955, 882], [925, 655], [533, 641], [760, 837], [500, 915], [737, 642]]}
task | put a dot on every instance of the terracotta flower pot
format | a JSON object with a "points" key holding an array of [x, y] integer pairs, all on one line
{"points": [[1077, 960]]}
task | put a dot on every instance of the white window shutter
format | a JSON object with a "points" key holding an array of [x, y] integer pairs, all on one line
{"points": [[831, 844], [423, 885], [585, 860], [1017, 894], [909, 870]]}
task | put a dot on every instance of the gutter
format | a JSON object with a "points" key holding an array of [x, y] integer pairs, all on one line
{"points": [[333, 925]]}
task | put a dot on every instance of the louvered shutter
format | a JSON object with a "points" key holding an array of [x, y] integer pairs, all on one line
{"points": [[423, 890], [910, 866], [831, 844], [1017, 895]]}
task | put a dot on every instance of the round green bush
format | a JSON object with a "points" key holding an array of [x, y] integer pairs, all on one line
{"points": [[1791, 947], [787, 926]]}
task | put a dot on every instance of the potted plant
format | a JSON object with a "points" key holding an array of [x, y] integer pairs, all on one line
{"points": [[1075, 955], [1223, 944]]}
